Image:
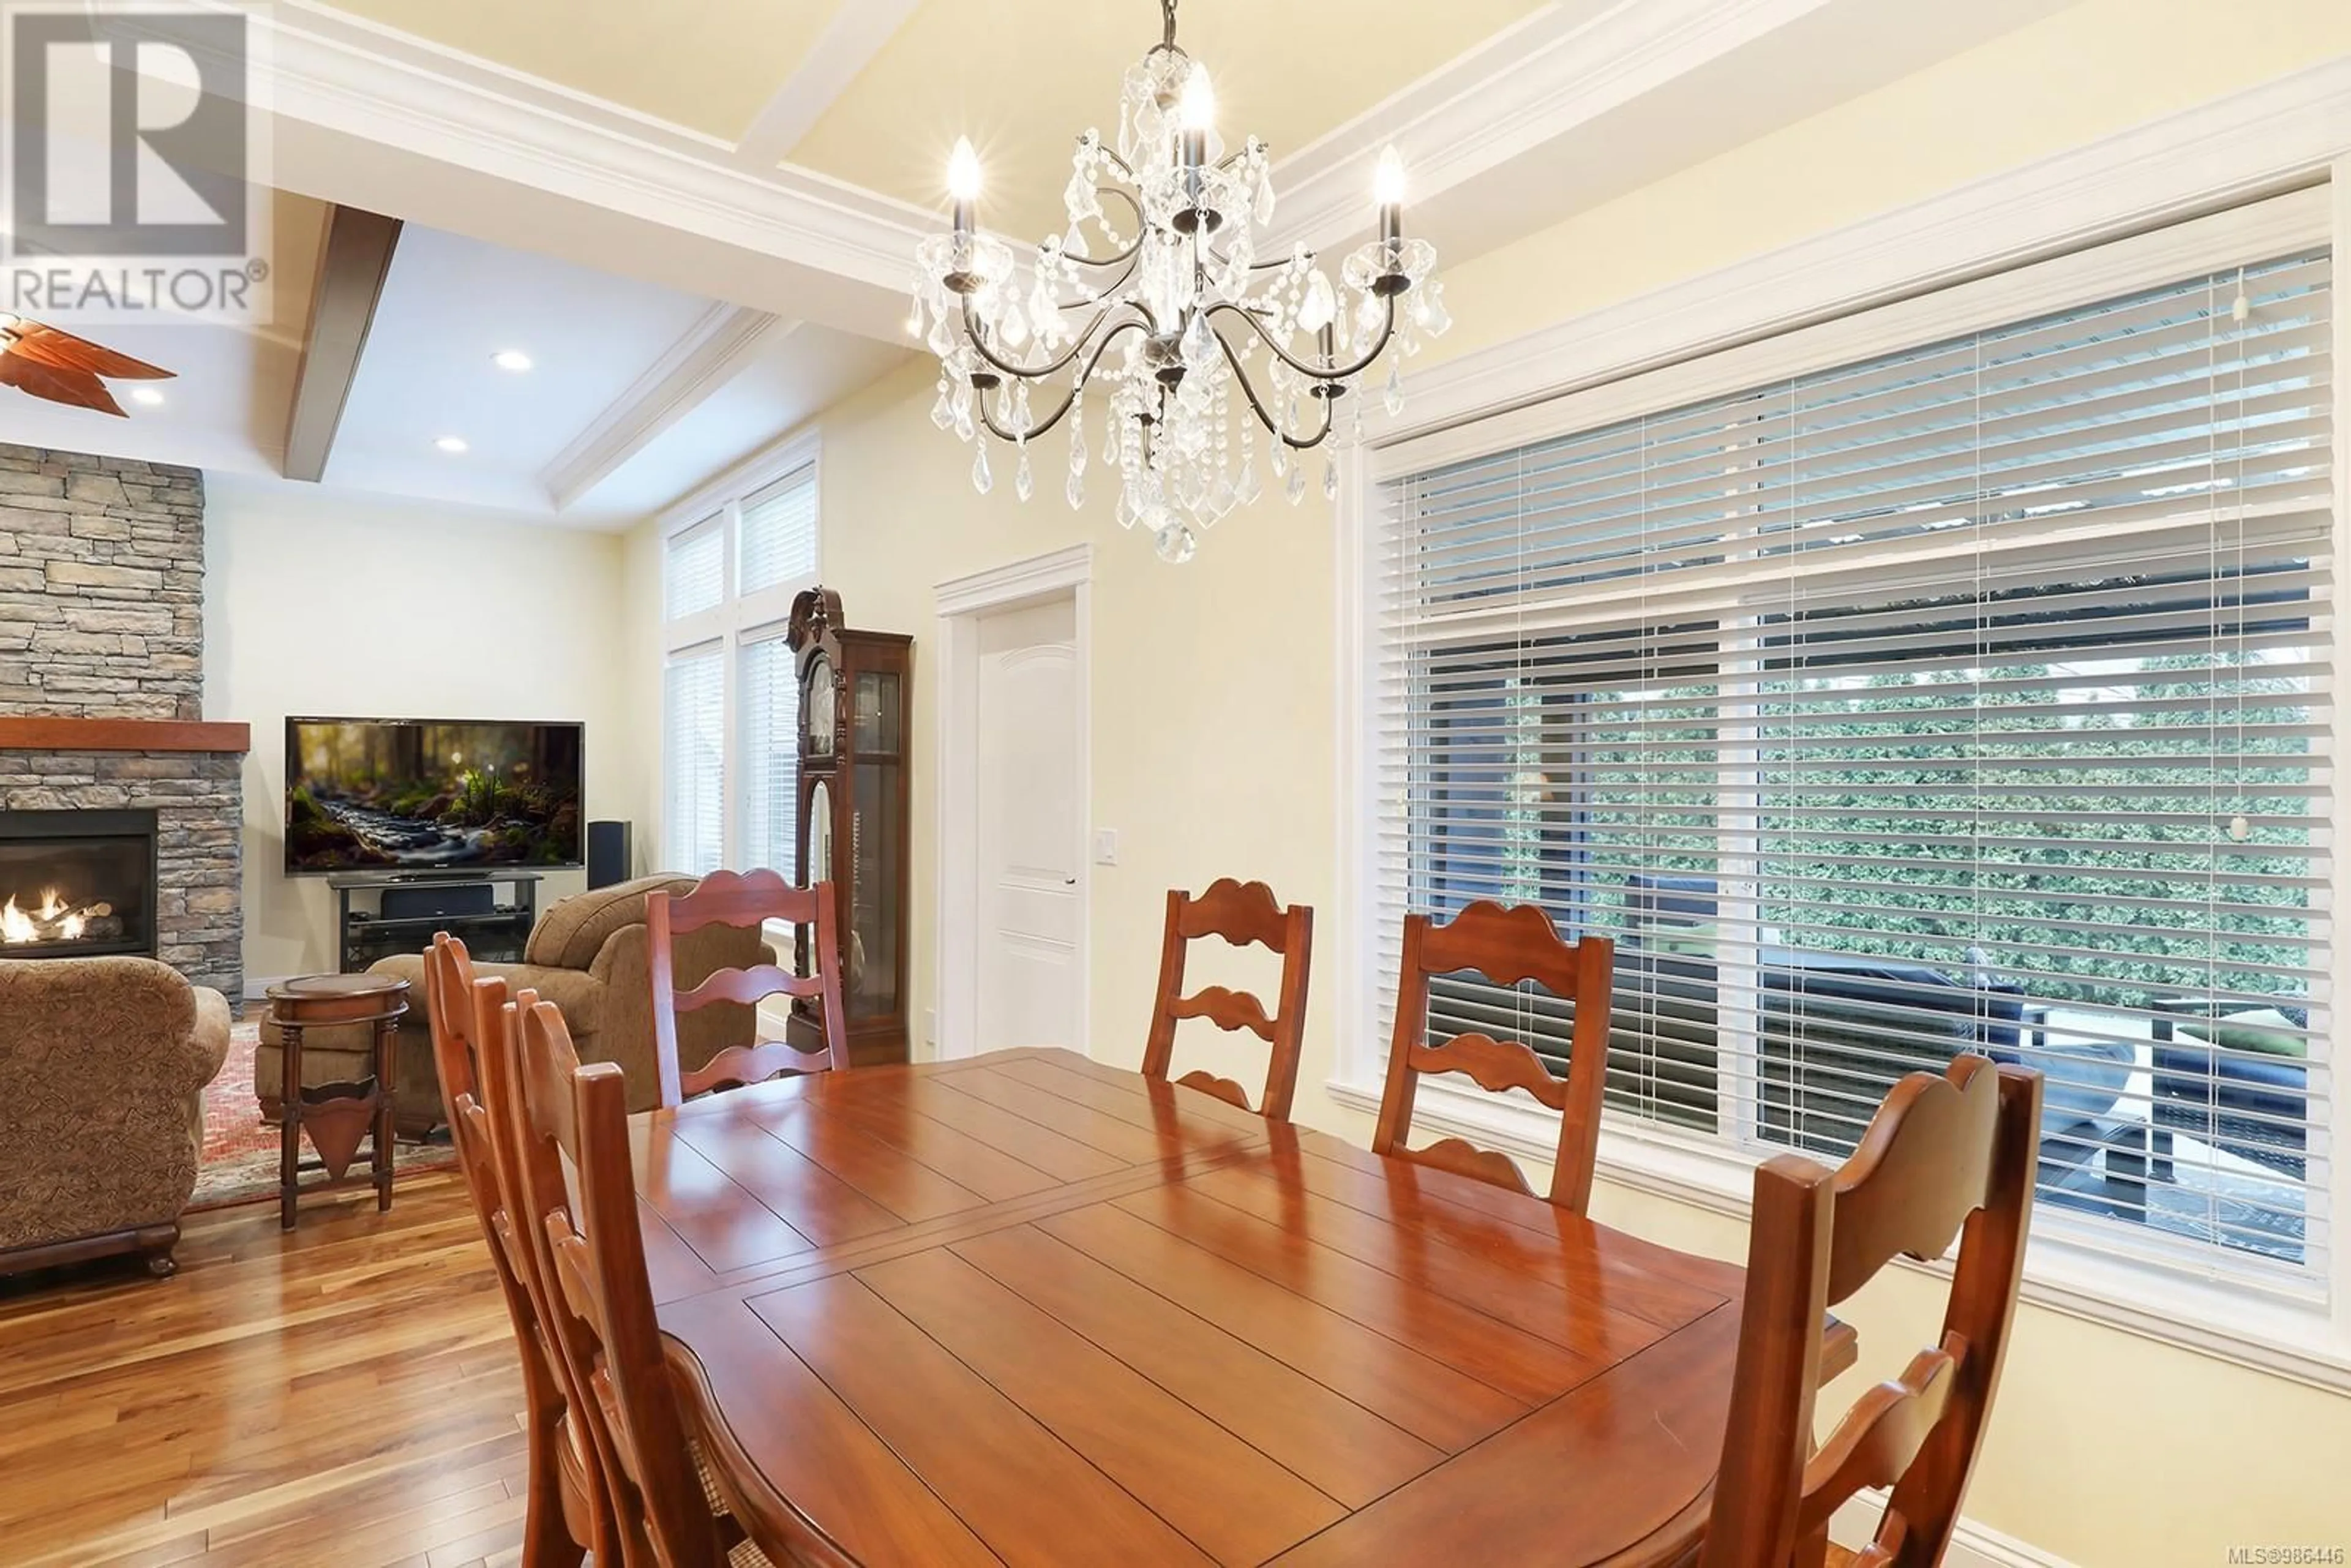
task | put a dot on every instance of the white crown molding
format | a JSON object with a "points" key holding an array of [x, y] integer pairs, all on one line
{"points": [[1000, 586], [331, 82], [2266, 139], [845, 47], [694, 367], [1561, 67]]}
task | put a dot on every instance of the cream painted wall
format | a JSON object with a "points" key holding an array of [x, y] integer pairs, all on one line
{"points": [[2088, 71], [318, 603], [1213, 722]]}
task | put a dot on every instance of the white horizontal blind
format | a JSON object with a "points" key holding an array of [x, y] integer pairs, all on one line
{"points": [[1969, 697], [694, 759], [778, 532], [694, 572], [770, 718]]}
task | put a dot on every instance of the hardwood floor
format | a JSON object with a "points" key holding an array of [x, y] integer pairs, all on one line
{"points": [[346, 1394]]}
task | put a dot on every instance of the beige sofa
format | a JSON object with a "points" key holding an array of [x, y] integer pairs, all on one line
{"points": [[588, 956], [103, 1064]]}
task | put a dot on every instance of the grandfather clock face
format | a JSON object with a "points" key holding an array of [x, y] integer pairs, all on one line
{"points": [[817, 706]]}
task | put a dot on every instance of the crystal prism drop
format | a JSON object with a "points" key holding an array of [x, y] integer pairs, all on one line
{"points": [[1024, 483], [1295, 486], [981, 479], [1394, 399], [1329, 478], [1437, 317], [942, 412], [1174, 543], [1076, 489], [1249, 489], [1199, 344], [1319, 308]]}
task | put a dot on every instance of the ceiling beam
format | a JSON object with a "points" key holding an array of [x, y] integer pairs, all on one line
{"points": [[706, 358], [352, 265], [366, 115], [847, 46]]}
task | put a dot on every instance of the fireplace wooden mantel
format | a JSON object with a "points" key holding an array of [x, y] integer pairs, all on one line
{"points": [[40, 734]]}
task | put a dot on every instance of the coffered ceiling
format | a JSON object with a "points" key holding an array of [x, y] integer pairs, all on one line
{"points": [[699, 215]]}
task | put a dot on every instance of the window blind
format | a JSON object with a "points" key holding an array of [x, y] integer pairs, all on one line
{"points": [[694, 570], [1971, 696], [778, 533], [693, 759], [769, 718]]}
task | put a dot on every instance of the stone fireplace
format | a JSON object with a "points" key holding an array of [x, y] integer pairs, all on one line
{"points": [[101, 698]]}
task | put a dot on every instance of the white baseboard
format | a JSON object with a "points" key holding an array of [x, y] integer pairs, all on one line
{"points": [[257, 986], [1973, 1545]]}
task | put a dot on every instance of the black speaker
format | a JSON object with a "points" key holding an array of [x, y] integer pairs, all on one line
{"points": [[608, 853], [420, 903]]}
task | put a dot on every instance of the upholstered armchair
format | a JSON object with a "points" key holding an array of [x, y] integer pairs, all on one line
{"points": [[103, 1064], [587, 955]]}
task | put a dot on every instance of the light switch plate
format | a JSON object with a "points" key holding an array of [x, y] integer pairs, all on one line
{"points": [[1106, 846]]}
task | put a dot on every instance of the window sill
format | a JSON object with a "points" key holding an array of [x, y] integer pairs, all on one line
{"points": [[2288, 1337]]}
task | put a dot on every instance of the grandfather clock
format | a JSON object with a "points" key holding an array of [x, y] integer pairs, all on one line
{"points": [[856, 694]]}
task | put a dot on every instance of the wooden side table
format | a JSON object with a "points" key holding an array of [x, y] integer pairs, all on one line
{"points": [[336, 1115]]}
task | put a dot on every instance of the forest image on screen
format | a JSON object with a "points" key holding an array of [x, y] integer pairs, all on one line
{"points": [[370, 794]]}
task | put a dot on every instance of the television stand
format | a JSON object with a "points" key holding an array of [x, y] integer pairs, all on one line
{"points": [[398, 912]]}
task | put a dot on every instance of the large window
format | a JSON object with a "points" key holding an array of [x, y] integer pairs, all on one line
{"points": [[1969, 694], [731, 704]]}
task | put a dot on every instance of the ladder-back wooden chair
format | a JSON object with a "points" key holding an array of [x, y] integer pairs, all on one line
{"points": [[565, 1511], [1506, 946], [1945, 1156], [669, 1511], [744, 899], [1241, 913]]}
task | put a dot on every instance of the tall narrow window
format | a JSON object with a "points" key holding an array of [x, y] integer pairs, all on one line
{"points": [[694, 807], [730, 738], [770, 726]]}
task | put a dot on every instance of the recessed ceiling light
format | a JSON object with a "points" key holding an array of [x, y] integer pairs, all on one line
{"points": [[149, 396], [511, 360], [451, 444]]}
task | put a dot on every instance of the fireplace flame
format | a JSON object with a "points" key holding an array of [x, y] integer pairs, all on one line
{"points": [[56, 918]]}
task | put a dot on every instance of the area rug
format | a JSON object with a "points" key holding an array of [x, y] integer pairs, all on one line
{"points": [[240, 1164]]}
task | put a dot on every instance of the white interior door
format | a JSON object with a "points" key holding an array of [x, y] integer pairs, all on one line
{"points": [[1031, 824]]}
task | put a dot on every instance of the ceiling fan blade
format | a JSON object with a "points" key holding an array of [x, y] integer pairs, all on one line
{"points": [[55, 347], [77, 388]]}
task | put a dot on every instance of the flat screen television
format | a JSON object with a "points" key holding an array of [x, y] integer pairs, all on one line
{"points": [[403, 794]]}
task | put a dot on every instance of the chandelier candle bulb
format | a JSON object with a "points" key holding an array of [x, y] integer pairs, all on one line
{"points": [[963, 182], [1387, 190]]}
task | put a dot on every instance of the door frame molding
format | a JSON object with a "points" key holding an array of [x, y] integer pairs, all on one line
{"points": [[960, 603]]}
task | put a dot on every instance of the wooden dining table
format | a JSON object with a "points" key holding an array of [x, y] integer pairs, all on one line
{"points": [[1025, 1308]]}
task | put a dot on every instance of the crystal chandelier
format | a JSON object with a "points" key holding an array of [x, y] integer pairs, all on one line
{"points": [[1154, 306]]}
